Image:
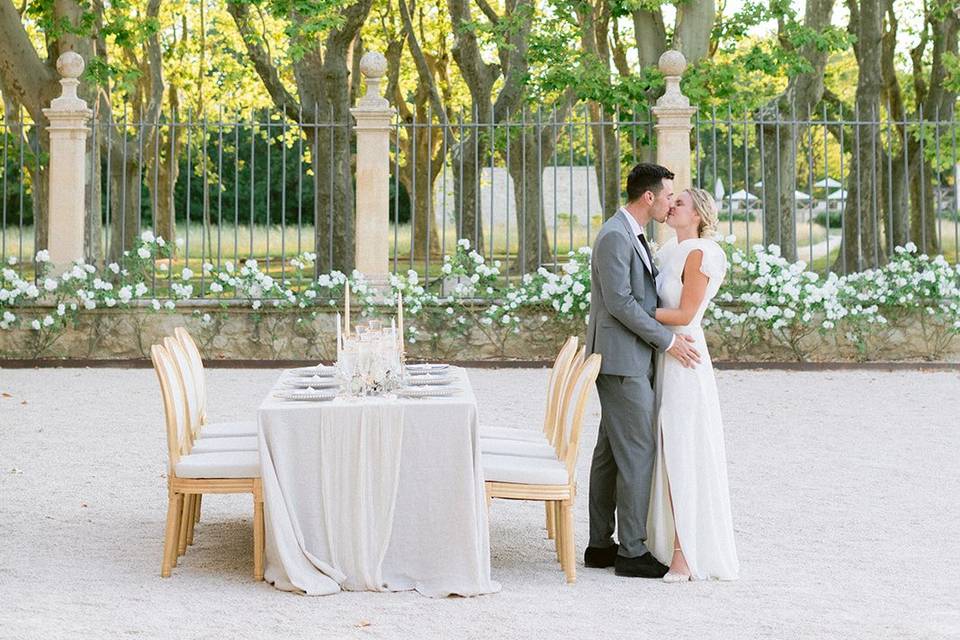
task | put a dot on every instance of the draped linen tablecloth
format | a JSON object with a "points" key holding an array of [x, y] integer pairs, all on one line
{"points": [[375, 494]]}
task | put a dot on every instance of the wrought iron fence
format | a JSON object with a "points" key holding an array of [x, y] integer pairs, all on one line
{"points": [[838, 190], [21, 169]]}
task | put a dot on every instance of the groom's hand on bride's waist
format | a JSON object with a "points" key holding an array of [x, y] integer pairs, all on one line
{"points": [[683, 351]]}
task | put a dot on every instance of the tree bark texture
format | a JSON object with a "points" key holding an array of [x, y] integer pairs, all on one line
{"points": [[778, 137], [861, 245], [322, 76], [475, 148]]}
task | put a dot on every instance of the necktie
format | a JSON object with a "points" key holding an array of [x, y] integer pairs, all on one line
{"points": [[643, 242]]}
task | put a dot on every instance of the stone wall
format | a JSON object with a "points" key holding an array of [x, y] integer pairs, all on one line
{"points": [[244, 334]]}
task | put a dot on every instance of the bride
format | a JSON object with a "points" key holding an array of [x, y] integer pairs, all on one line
{"points": [[689, 519]]}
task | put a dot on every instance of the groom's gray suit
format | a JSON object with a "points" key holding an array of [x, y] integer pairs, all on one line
{"points": [[622, 328]]}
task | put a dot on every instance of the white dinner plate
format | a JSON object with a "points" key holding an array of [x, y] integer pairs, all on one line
{"points": [[315, 382], [322, 371], [427, 367], [427, 392], [306, 394], [429, 380]]}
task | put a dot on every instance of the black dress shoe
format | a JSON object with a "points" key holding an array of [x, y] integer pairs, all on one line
{"points": [[600, 557], [645, 566]]}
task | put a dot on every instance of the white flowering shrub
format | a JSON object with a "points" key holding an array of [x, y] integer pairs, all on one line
{"points": [[910, 286], [768, 297], [425, 312], [566, 294], [765, 298], [766, 293], [473, 276]]}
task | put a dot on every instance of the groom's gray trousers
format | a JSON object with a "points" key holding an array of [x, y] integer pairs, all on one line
{"points": [[623, 462]]}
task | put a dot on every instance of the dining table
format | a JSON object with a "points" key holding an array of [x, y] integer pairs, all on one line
{"points": [[375, 493]]}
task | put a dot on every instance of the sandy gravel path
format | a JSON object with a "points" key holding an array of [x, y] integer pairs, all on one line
{"points": [[845, 493]]}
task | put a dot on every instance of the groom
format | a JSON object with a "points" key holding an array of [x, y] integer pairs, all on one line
{"points": [[622, 328]]}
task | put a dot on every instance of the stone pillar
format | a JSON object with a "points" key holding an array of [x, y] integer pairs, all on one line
{"points": [[373, 115], [68, 116], [673, 113]]}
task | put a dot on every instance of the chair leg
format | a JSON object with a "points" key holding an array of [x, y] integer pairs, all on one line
{"points": [[566, 524], [186, 514], [197, 516], [192, 518], [557, 537], [258, 537], [174, 509], [551, 524]]}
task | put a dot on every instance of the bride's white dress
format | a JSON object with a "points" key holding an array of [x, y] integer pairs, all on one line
{"points": [[691, 464]]}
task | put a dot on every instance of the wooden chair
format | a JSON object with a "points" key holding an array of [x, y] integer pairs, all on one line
{"points": [[503, 439], [199, 384], [550, 481], [196, 444], [550, 448], [190, 475], [194, 407]]}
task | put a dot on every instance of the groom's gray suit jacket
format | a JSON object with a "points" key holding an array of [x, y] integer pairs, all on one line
{"points": [[623, 301]]}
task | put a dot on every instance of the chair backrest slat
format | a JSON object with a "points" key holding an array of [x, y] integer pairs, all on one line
{"points": [[174, 408], [196, 368], [578, 389], [192, 403], [558, 376], [555, 436]]}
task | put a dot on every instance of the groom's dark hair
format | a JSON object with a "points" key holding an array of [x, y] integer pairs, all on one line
{"points": [[644, 177]]}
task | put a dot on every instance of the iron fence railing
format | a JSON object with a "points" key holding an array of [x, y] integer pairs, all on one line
{"points": [[836, 189]]}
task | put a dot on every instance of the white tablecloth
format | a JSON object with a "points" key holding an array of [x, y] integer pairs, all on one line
{"points": [[375, 494]]}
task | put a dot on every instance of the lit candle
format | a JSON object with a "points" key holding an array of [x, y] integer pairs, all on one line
{"points": [[346, 309], [400, 319]]}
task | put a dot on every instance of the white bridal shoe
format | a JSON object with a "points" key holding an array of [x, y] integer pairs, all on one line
{"points": [[677, 577]]}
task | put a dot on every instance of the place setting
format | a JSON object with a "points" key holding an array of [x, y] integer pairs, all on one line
{"points": [[370, 366]]}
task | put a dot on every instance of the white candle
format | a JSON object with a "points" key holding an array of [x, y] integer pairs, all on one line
{"points": [[339, 338], [346, 309], [400, 319]]}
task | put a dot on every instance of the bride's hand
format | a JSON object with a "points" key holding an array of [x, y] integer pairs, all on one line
{"points": [[684, 352]]}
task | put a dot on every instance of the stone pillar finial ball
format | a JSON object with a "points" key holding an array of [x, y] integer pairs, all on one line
{"points": [[672, 63], [373, 65], [70, 64]]}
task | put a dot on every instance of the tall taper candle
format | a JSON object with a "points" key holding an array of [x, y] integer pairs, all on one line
{"points": [[400, 320], [346, 309], [393, 336], [339, 338]]}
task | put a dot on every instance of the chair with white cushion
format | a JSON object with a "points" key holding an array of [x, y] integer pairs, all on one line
{"points": [[194, 404], [243, 428], [492, 438], [190, 475], [196, 443], [552, 481], [548, 447]]}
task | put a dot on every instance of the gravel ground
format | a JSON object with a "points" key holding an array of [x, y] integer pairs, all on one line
{"points": [[844, 488]]}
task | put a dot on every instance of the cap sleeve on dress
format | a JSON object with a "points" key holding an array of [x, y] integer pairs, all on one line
{"points": [[714, 264]]}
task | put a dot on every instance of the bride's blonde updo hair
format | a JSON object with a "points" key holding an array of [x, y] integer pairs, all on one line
{"points": [[706, 208]]}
